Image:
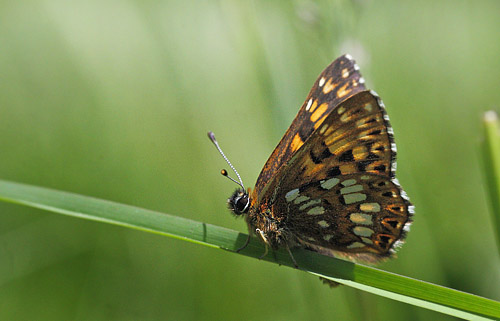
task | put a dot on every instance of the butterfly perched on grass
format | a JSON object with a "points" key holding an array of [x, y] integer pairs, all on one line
{"points": [[330, 184]]}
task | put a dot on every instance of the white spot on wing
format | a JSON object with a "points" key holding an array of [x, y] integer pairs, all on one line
{"points": [[349, 182], [309, 204], [362, 231], [301, 199], [290, 196], [354, 198], [367, 240], [361, 218], [309, 103], [355, 245], [323, 224], [322, 81], [398, 244], [351, 189], [328, 184], [318, 210], [370, 207]]}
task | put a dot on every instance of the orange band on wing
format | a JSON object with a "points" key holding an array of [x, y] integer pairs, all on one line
{"points": [[296, 142]]}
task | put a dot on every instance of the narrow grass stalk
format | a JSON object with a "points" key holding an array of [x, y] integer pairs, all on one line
{"points": [[491, 155], [397, 287]]}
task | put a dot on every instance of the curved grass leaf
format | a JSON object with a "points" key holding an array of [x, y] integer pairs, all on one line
{"points": [[397, 287], [491, 156]]}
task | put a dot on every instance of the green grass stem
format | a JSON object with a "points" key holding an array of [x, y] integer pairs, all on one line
{"points": [[491, 155]]}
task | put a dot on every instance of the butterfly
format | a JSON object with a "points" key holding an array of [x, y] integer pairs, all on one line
{"points": [[329, 185]]}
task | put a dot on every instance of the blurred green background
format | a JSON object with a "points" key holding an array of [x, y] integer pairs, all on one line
{"points": [[113, 99]]}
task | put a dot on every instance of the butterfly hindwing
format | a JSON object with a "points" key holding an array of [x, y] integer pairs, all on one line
{"points": [[361, 215], [339, 81]]}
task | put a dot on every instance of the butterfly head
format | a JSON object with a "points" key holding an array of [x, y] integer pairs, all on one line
{"points": [[239, 202]]}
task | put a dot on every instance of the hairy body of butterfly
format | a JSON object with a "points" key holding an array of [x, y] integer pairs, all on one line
{"points": [[330, 183]]}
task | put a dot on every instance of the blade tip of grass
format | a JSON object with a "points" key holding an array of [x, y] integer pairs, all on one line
{"points": [[490, 116]]}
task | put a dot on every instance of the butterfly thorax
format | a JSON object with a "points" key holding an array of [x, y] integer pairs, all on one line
{"points": [[271, 229]]}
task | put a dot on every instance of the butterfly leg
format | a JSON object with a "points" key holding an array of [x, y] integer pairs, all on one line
{"points": [[291, 256], [244, 245], [265, 253], [266, 242]]}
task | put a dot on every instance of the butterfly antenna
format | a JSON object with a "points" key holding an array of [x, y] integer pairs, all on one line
{"points": [[224, 172]]}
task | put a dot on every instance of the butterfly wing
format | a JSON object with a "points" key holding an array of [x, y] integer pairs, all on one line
{"points": [[356, 137], [362, 217], [339, 81], [340, 183]]}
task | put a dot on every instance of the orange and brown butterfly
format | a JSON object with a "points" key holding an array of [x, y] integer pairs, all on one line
{"points": [[330, 184]]}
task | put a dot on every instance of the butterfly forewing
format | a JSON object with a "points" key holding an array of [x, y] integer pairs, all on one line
{"points": [[339, 81], [355, 138]]}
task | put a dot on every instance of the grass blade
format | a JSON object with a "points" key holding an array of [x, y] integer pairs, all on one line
{"points": [[491, 152], [397, 287]]}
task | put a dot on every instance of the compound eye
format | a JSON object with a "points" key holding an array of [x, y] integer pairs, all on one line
{"points": [[241, 204]]}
